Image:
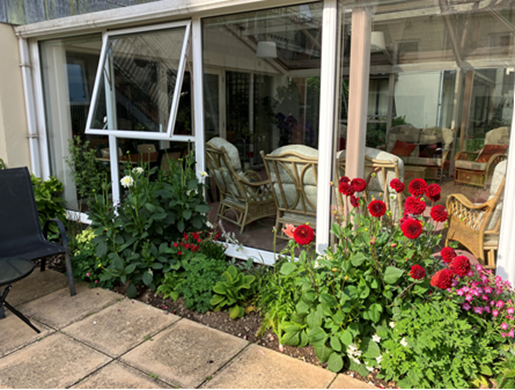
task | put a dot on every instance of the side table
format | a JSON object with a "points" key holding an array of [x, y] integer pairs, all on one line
{"points": [[12, 270]]}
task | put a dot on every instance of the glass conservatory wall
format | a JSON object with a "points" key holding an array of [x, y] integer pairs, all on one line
{"points": [[262, 93], [440, 108]]}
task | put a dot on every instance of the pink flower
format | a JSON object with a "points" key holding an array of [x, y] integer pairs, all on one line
{"points": [[503, 334], [466, 306], [488, 290], [465, 289], [459, 292], [504, 326], [499, 304], [96, 281], [511, 333], [479, 267], [469, 297], [510, 310], [484, 298], [87, 274], [486, 309], [478, 310], [495, 313]]}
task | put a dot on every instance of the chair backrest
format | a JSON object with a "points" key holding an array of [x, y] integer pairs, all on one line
{"points": [[433, 135], [499, 136], [222, 170], [403, 133], [231, 150], [497, 190], [293, 172], [147, 148], [19, 220], [104, 152]]}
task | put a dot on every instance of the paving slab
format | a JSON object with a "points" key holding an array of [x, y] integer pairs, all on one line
{"points": [[36, 285], [14, 333], [120, 327], [185, 354], [59, 309], [347, 382], [262, 368], [119, 376], [56, 361]]}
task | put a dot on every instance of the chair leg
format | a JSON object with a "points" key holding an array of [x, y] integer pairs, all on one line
{"points": [[43, 264], [21, 317]]}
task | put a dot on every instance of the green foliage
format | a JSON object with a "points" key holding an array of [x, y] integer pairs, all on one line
{"points": [[432, 346], [2, 164], [84, 259], [506, 367], [233, 290], [48, 202], [86, 171]]}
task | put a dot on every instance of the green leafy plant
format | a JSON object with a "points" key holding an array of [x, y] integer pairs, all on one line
{"points": [[48, 202], [233, 290], [2, 164]]}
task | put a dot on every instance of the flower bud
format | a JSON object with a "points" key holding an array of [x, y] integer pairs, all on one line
{"points": [[334, 270], [394, 245], [373, 241], [346, 277]]}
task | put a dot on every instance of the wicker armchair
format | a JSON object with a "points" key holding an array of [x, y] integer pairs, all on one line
{"points": [[292, 170], [467, 167], [476, 226], [244, 193]]}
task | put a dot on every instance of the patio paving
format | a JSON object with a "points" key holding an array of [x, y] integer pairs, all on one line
{"points": [[100, 339]]}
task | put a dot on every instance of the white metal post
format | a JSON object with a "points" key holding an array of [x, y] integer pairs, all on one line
{"points": [[327, 115], [358, 92], [198, 93]]}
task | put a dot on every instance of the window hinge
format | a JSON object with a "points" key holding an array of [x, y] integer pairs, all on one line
{"points": [[25, 65], [31, 136]]}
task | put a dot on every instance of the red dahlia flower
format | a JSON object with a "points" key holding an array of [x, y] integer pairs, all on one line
{"points": [[377, 208], [417, 187], [433, 192], [344, 179], [397, 185], [439, 214], [346, 189], [303, 235], [417, 272], [354, 201], [414, 206], [442, 279], [412, 228], [460, 265], [358, 184], [447, 254]]}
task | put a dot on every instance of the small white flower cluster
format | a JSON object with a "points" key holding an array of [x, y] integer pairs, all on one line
{"points": [[392, 324], [376, 338], [137, 170], [210, 225], [353, 353], [404, 343], [127, 181], [189, 192]]}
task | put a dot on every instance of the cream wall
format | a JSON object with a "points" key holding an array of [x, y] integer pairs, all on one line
{"points": [[14, 144]]}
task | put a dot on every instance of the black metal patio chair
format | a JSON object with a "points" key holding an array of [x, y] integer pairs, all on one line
{"points": [[20, 232]]}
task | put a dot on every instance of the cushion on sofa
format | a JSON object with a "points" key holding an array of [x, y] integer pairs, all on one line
{"points": [[403, 148], [476, 166], [489, 150]]}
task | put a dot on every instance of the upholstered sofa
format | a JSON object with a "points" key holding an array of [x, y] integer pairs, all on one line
{"points": [[427, 148]]}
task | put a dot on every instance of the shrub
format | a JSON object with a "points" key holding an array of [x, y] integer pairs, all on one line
{"points": [[48, 202], [232, 291], [84, 260]]}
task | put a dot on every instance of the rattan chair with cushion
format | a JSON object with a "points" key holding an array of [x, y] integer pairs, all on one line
{"points": [[292, 170], [245, 194], [386, 167], [474, 168], [476, 226]]}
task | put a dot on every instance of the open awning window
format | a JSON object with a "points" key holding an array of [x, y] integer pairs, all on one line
{"points": [[138, 83]]}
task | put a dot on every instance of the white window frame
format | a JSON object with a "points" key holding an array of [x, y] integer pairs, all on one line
{"points": [[120, 133]]}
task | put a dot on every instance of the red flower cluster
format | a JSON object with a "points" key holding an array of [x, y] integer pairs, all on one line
{"points": [[303, 235], [433, 192], [417, 187], [447, 254], [190, 241], [344, 179], [460, 265], [397, 185], [414, 206], [417, 272], [358, 184], [354, 201], [411, 228], [377, 208], [346, 188], [439, 213], [442, 279]]}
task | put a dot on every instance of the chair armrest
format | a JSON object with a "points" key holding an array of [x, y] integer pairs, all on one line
{"points": [[465, 156], [62, 232], [253, 175], [460, 198]]}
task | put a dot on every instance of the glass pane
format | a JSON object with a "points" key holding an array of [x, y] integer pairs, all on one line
{"points": [[269, 62], [137, 85], [68, 69], [439, 106]]}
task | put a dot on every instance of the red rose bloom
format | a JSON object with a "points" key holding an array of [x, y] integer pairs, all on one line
{"points": [[346, 189], [439, 214], [447, 254], [344, 179], [417, 187], [442, 279], [433, 192], [354, 201], [358, 184], [460, 265], [417, 272], [377, 208], [414, 206], [412, 228], [303, 235], [397, 185]]}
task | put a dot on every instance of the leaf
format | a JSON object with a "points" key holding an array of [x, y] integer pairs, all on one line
{"points": [[323, 352], [329, 300], [180, 226], [392, 274], [346, 337], [335, 343], [335, 362], [202, 208], [287, 268], [291, 335], [150, 207], [216, 299], [147, 278], [357, 259], [370, 348], [317, 336], [130, 269], [186, 214], [374, 311], [236, 312], [131, 290], [101, 249]]}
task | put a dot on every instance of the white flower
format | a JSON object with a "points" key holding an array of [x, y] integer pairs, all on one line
{"points": [[316, 264], [356, 360], [379, 359], [137, 170], [404, 343], [392, 324], [209, 225], [204, 174], [371, 369], [376, 338], [357, 353], [127, 181]]}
